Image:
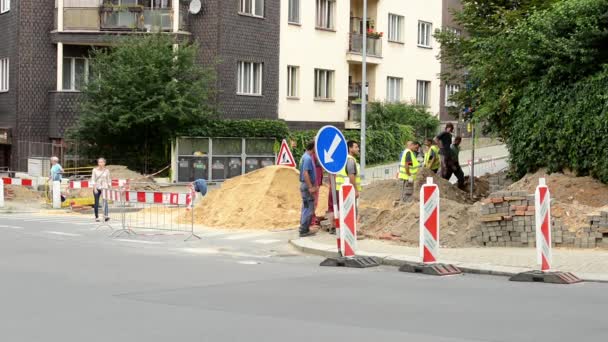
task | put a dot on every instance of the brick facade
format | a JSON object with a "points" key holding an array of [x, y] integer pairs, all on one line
{"points": [[34, 111], [226, 37]]}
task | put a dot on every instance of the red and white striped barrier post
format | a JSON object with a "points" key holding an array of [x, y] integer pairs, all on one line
{"points": [[429, 221], [348, 219], [542, 199], [429, 235], [542, 208]]}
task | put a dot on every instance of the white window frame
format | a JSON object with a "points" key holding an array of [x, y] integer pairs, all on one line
{"points": [[248, 7], [247, 84], [425, 38], [324, 85], [4, 74], [293, 81], [394, 89], [73, 72], [5, 6], [450, 89], [423, 92], [396, 28], [325, 17], [293, 12]]}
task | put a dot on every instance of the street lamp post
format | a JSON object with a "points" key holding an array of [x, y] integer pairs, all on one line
{"points": [[364, 88]]}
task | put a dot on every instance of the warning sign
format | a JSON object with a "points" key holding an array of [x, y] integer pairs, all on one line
{"points": [[285, 157]]}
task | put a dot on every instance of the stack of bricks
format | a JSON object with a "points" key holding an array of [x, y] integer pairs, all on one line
{"points": [[508, 220], [499, 181], [596, 235]]}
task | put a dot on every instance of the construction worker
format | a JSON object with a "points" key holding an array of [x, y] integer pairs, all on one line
{"points": [[200, 187], [352, 170], [445, 143], [308, 187], [456, 169], [431, 157], [408, 169]]}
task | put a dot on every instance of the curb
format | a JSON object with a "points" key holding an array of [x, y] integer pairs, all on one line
{"points": [[310, 247]]}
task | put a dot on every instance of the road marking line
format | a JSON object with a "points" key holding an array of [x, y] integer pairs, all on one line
{"points": [[243, 236], [266, 241], [200, 250], [249, 262], [61, 233], [139, 241], [10, 227]]}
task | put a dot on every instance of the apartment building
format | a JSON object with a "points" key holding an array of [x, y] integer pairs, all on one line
{"points": [[321, 61], [45, 47], [447, 106]]}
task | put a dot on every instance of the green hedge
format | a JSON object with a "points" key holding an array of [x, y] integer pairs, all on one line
{"points": [[382, 146], [241, 128]]}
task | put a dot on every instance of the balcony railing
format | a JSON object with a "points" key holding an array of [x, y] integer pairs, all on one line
{"points": [[125, 18], [374, 45]]}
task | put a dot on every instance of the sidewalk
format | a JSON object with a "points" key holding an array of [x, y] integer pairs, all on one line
{"points": [[588, 264]]}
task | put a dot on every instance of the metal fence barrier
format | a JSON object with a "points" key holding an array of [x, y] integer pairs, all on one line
{"points": [[131, 210]]}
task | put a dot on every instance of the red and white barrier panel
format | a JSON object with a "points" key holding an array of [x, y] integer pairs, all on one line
{"points": [[429, 222], [429, 235], [89, 184], [348, 220], [542, 199], [110, 195], [158, 197], [17, 181]]}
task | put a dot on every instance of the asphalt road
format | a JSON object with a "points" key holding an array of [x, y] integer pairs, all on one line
{"points": [[62, 281]]}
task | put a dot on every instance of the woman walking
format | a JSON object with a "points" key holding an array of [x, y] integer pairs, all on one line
{"points": [[101, 180]]}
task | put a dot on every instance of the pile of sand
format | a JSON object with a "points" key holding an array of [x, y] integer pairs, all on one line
{"points": [[574, 198], [401, 223], [21, 194], [137, 181], [268, 198], [567, 188], [383, 216]]}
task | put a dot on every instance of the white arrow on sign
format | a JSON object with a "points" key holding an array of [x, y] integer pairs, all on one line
{"points": [[328, 155]]}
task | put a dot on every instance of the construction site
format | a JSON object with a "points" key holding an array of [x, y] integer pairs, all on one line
{"points": [[499, 214]]}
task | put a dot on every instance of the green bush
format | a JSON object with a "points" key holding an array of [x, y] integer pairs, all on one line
{"points": [[241, 128], [388, 116]]}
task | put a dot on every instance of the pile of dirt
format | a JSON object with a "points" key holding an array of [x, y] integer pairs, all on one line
{"points": [[574, 198], [268, 198], [567, 188], [401, 223], [383, 216], [137, 181], [481, 187], [21, 194]]}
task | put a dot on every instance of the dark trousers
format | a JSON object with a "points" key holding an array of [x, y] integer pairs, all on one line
{"points": [[308, 208], [97, 196], [455, 170]]}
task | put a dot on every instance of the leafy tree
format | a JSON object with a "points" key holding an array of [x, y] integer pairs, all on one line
{"points": [[144, 92], [540, 76], [396, 117]]}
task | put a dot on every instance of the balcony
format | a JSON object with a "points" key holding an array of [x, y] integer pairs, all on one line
{"points": [[355, 49], [91, 17]]}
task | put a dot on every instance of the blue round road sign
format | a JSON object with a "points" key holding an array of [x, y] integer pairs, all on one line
{"points": [[331, 149]]}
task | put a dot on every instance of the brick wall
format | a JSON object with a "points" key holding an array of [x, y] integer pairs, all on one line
{"points": [[508, 220], [37, 65], [8, 48], [63, 112], [226, 37]]}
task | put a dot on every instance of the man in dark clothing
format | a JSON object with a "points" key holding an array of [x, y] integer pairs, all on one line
{"points": [[444, 140], [454, 167], [308, 188]]}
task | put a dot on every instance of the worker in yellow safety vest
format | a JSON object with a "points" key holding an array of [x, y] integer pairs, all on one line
{"points": [[408, 169], [431, 157], [351, 170]]}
